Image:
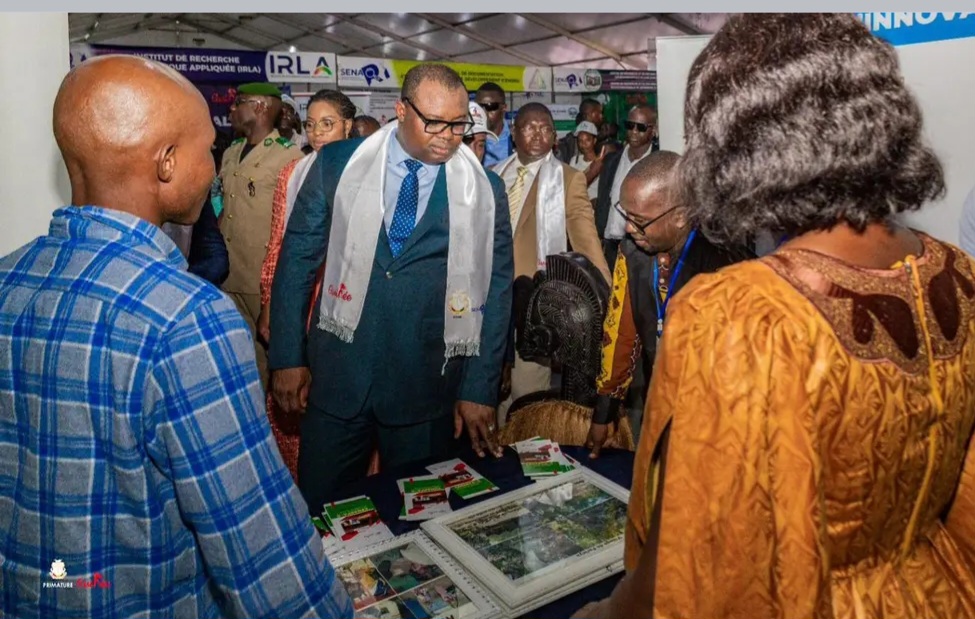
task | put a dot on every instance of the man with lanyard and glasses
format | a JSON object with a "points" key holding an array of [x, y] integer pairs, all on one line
{"points": [[409, 331], [661, 253]]}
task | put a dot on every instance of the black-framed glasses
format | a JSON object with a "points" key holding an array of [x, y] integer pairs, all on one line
{"points": [[434, 126], [639, 127], [490, 106], [642, 227]]}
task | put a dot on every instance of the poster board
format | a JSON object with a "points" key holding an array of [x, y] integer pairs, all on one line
{"points": [[410, 577], [541, 542]]}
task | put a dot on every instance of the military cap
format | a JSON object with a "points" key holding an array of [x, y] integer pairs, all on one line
{"points": [[260, 88]]}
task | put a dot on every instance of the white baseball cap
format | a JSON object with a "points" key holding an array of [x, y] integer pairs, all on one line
{"points": [[586, 127], [479, 116], [285, 99]]}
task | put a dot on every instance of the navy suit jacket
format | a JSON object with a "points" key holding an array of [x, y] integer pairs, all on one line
{"points": [[395, 363], [208, 252]]}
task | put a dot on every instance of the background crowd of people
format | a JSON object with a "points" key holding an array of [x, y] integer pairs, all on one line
{"points": [[170, 418]]}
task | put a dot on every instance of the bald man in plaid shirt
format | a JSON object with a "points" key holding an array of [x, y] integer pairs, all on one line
{"points": [[138, 475]]}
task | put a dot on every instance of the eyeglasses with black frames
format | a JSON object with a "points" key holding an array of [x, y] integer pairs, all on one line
{"points": [[435, 126], [641, 225]]}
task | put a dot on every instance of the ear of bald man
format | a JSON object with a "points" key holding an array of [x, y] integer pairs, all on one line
{"points": [[167, 164]]}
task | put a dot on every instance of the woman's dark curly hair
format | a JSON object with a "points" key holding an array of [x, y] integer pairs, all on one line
{"points": [[798, 122], [341, 102]]}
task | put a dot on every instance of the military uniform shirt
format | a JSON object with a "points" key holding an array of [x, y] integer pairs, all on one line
{"points": [[248, 194]]}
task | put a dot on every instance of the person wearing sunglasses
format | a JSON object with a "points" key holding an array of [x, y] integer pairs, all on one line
{"points": [[249, 175], [410, 327], [531, 173], [660, 255], [491, 98], [641, 125]]}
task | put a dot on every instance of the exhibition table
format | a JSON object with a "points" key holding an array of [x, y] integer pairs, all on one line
{"points": [[615, 465]]}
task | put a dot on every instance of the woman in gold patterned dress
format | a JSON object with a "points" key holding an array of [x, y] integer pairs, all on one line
{"points": [[807, 444]]}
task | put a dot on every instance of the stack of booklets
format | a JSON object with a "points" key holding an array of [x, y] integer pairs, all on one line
{"points": [[541, 457], [424, 497], [351, 524], [461, 479]]}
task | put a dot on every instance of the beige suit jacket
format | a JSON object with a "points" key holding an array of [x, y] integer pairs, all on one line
{"points": [[580, 226]]}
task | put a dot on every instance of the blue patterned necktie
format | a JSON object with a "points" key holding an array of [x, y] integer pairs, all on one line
{"points": [[404, 217]]}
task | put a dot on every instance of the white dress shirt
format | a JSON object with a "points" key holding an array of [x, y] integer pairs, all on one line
{"points": [[616, 225]]}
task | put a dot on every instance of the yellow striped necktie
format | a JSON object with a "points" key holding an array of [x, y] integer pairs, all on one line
{"points": [[514, 194]]}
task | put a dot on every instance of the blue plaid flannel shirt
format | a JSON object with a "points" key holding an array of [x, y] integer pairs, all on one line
{"points": [[134, 443]]}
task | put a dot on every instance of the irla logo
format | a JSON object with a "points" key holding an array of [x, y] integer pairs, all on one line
{"points": [[298, 67]]}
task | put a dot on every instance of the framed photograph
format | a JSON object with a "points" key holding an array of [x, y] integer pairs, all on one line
{"points": [[541, 542], [410, 578]]}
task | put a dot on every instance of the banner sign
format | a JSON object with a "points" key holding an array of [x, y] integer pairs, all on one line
{"points": [[573, 80], [219, 97], [310, 67], [356, 72], [382, 106], [221, 65], [911, 28], [564, 117]]}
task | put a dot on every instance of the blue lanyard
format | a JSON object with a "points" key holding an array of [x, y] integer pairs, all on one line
{"points": [[662, 305]]}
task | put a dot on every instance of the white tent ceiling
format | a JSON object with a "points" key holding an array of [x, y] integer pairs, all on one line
{"points": [[596, 40]]}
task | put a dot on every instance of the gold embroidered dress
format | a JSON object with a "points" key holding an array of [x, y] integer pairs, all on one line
{"points": [[819, 459]]}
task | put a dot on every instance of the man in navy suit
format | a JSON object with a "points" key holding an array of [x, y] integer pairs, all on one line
{"points": [[394, 384]]}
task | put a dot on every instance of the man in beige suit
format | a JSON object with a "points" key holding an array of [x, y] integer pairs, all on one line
{"points": [[249, 175], [561, 220]]}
